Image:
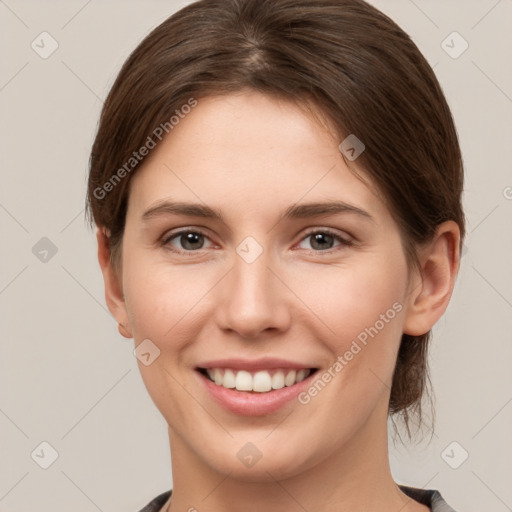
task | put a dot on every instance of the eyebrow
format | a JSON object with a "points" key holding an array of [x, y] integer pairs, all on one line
{"points": [[297, 211]]}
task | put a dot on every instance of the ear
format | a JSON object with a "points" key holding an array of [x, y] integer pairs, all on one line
{"points": [[113, 288], [432, 286]]}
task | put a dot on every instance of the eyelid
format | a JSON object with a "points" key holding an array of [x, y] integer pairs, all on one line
{"points": [[330, 231]]}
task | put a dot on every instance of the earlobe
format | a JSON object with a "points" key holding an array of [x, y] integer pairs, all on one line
{"points": [[113, 288], [439, 264], [123, 331]]}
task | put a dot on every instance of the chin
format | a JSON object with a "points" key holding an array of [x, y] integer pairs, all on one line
{"points": [[259, 461]]}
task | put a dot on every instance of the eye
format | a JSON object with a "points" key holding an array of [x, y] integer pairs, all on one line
{"points": [[185, 241], [324, 240], [189, 241]]}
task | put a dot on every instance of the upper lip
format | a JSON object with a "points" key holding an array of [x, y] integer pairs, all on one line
{"points": [[265, 363]]}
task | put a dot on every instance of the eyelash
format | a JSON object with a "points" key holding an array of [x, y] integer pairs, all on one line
{"points": [[344, 242]]}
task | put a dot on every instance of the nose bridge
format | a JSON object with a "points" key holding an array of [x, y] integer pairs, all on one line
{"points": [[253, 299], [252, 278]]}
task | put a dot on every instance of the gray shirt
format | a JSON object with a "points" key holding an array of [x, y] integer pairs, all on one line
{"points": [[431, 498]]}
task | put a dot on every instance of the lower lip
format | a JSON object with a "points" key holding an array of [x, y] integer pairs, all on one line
{"points": [[249, 403]]}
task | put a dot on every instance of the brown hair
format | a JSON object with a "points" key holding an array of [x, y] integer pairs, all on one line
{"points": [[344, 57]]}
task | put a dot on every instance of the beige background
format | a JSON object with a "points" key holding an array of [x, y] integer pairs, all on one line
{"points": [[66, 375]]}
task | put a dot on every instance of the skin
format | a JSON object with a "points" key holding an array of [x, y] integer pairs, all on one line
{"points": [[251, 157]]}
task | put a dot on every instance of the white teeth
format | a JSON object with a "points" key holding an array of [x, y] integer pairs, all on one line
{"points": [[290, 378], [261, 381], [243, 381], [278, 380], [217, 376], [229, 379], [301, 375]]}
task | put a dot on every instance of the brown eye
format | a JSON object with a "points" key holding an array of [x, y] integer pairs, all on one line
{"points": [[324, 240], [185, 241]]}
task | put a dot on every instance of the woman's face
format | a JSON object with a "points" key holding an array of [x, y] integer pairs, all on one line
{"points": [[269, 282]]}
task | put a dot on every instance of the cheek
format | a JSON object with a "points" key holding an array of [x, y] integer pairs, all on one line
{"points": [[350, 298], [359, 309], [163, 304], [161, 298], [362, 309]]}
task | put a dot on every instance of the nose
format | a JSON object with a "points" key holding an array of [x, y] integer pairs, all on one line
{"points": [[253, 299]]}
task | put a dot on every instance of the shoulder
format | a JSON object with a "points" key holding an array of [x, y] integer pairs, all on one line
{"points": [[157, 503], [429, 497]]}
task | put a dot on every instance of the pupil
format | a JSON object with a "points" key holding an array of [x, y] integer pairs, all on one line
{"points": [[319, 237], [190, 239]]}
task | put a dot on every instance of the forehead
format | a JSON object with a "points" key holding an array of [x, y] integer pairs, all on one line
{"points": [[249, 152]]}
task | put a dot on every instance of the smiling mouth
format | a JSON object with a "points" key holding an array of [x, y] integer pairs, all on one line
{"points": [[261, 381]]}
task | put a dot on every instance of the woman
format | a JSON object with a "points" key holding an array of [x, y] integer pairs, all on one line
{"points": [[277, 189]]}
